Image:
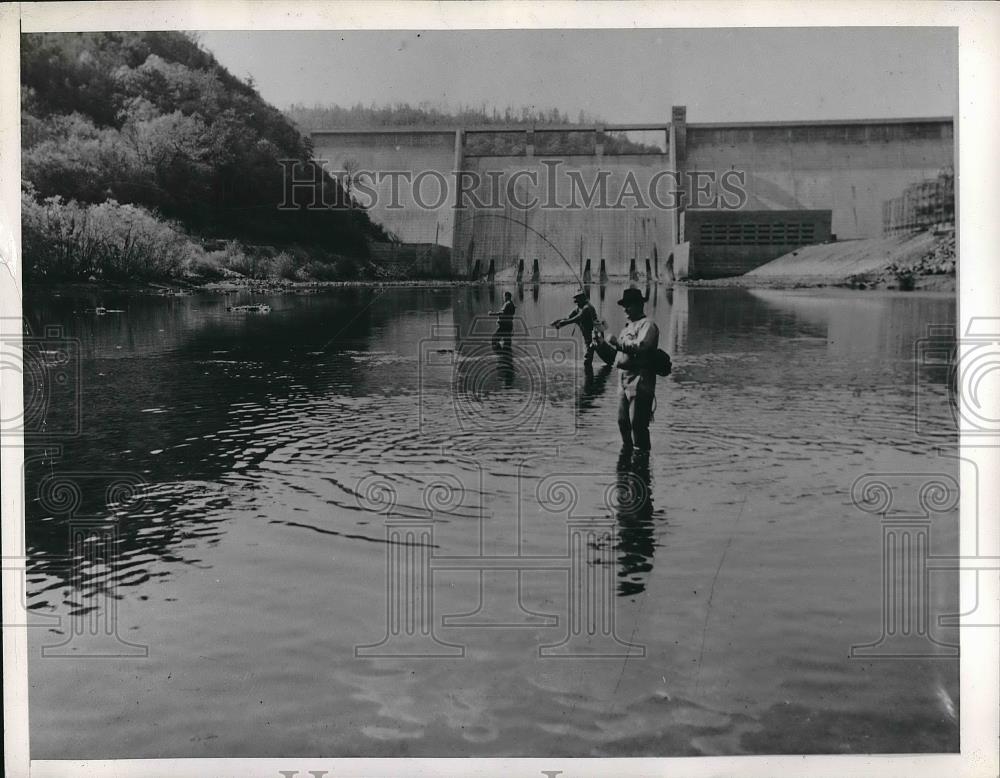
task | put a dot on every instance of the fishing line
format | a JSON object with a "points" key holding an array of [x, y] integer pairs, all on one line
{"points": [[526, 226]]}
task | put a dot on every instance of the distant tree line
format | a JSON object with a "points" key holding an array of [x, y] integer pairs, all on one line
{"points": [[327, 117], [358, 116], [151, 121]]}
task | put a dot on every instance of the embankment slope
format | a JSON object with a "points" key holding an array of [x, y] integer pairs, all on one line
{"points": [[924, 260]]}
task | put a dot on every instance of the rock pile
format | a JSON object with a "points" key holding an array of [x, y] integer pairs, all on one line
{"points": [[939, 261], [927, 270]]}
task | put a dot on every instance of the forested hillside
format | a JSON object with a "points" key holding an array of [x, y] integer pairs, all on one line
{"points": [[141, 154]]}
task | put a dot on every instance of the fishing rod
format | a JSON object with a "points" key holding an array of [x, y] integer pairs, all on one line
{"points": [[526, 226], [598, 324]]}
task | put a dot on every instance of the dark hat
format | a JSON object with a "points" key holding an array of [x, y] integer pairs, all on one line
{"points": [[631, 296], [581, 296]]}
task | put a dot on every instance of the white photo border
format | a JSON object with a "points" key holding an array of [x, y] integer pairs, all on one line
{"points": [[978, 29]]}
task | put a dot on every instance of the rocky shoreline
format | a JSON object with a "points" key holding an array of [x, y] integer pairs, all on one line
{"points": [[928, 282]]}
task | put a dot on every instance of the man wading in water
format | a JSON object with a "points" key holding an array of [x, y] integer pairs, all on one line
{"points": [[585, 316], [505, 322], [633, 352]]}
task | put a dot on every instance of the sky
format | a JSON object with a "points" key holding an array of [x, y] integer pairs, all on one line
{"points": [[621, 76]]}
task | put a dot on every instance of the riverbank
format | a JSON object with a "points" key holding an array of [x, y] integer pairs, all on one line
{"points": [[937, 284], [922, 262], [233, 286]]}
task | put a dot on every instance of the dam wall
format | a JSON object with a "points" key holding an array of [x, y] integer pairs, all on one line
{"points": [[395, 204], [849, 167], [558, 229], [563, 195]]}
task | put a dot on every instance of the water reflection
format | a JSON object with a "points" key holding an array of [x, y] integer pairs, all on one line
{"points": [[594, 384], [189, 400], [192, 399], [250, 435], [184, 379], [505, 363], [635, 523]]}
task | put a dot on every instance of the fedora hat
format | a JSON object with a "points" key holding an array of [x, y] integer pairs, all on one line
{"points": [[581, 296], [631, 296]]}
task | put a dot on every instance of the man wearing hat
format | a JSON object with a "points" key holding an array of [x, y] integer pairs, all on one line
{"points": [[584, 317], [633, 353]]}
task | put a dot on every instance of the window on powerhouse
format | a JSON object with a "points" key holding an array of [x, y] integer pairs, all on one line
{"points": [[756, 233]]}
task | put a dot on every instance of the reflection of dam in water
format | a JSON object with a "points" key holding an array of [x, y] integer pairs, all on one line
{"points": [[873, 326], [667, 306]]}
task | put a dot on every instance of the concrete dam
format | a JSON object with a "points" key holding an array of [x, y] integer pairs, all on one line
{"points": [[680, 199]]}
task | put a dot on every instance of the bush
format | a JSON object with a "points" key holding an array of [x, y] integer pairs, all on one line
{"points": [[285, 267], [65, 241], [236, 259], [206, 267], [71, 241], [321, 271]]}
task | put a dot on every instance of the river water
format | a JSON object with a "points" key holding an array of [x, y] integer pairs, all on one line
{"points": [[226, 504]]}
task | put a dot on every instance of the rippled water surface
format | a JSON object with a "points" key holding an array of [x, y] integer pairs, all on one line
{"points": [[210, 550]]}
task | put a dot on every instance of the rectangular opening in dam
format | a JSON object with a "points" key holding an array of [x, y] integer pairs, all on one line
{"points": [[495, 143], [636, 142], [757, 234], [565, 142], [727, 243]]}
